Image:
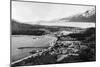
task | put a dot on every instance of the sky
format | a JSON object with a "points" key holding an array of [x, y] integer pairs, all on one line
{"points": [[33, 12]]}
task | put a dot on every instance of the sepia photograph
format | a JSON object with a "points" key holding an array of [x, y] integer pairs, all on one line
{"points": [[45, 33]]}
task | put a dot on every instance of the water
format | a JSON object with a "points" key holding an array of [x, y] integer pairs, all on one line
{"points": [[43, 41], [70, 24], [27, 41]]}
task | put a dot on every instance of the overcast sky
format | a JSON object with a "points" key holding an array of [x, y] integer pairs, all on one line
{"points": [[31, 11]]}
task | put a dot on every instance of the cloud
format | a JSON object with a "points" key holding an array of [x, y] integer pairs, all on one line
{"points": [[30, 11]]}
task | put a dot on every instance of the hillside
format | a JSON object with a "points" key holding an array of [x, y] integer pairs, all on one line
{"points": [[87, 16], [27, 29], [18, 28]]}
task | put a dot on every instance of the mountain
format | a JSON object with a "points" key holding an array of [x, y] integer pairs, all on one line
{"points": [[87, 16], [19, 28], [15, 25]]}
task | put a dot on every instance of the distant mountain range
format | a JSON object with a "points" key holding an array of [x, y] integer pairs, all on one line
{"points": [[88, 16], [18, 28], [38, 29]]}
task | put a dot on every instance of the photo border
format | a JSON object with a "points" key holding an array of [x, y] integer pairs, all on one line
{"points": [[45, 3]]}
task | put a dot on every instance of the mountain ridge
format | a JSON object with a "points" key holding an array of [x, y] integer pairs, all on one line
{"points": [[87, 16]]}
